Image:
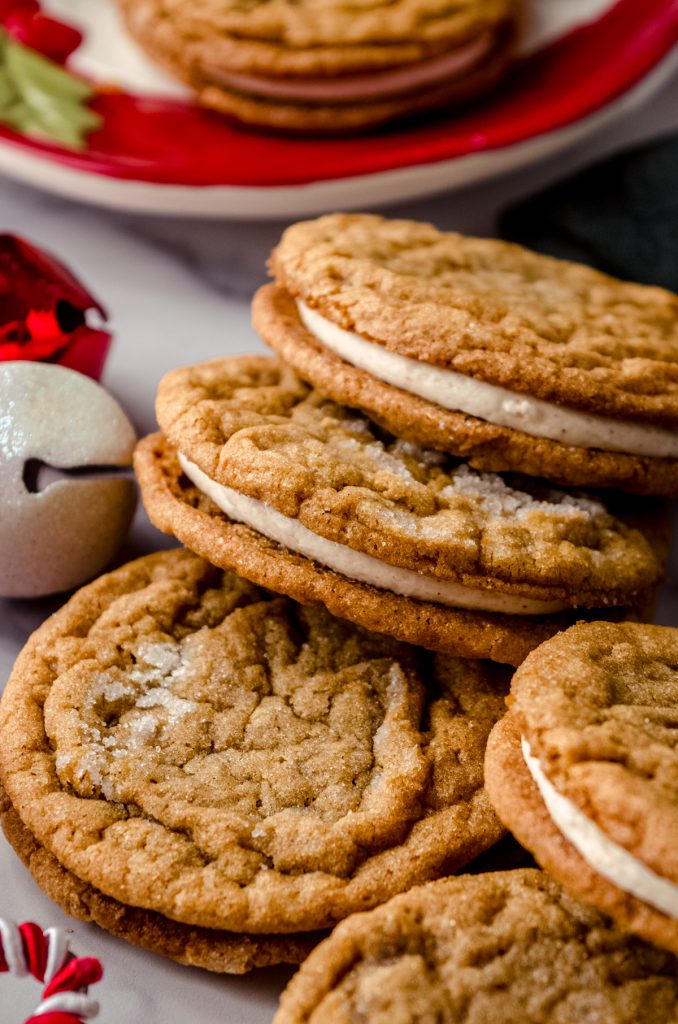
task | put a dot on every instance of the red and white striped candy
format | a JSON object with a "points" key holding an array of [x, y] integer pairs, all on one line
{"points": [[25, 949]]}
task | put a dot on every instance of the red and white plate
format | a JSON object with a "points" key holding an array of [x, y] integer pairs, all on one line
{"points": [[584, 64]]}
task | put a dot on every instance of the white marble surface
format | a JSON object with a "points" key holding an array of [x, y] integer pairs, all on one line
{"points": [[178, 292]]}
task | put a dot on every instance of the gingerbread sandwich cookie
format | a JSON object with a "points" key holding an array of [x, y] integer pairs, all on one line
{"points": [[397, 538], [513, 360], [502, 948], [335, 68], [584, 770], [221, 952], [189, 745]]}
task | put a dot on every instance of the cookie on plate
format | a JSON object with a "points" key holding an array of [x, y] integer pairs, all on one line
{"points": [[396, 538], [584, 770], [190, 745], [503, 948], [513, 360], [333, 67]]}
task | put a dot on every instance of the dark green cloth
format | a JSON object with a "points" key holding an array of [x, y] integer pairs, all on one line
{"points": [[620, 216]]}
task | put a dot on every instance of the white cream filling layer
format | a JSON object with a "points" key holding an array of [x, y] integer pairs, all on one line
{"points": [[608, 859], [355, 564], [504, 408], [373, 85]]}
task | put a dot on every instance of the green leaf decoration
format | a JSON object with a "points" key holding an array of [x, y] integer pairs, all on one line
{"points": [[42, 99]]}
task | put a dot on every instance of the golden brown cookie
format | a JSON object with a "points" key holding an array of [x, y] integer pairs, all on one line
{"points": [[514, 360], [334, 119], [179, 508], [485, 445], [337, 67], [503, 948], [584, 770], [212, 950], [191, 745], [326, 482]]}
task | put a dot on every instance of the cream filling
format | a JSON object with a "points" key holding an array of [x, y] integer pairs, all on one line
{"points": [[459, 393], [608, 859], [360, 87], [355, 564]]}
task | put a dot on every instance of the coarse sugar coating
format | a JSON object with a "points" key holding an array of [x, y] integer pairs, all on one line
{"points": [[500, 948], [555, 330], [250, 424], [176, 506], [218, 951], [485, 445], [189, 744]]}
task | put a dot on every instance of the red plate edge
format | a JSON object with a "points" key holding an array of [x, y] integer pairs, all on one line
{"points": [[566, 81]]}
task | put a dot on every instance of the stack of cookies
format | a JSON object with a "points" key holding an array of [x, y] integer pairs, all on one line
{"points": [[329, 66], [460, 451], [584, 770], [415, 462]]}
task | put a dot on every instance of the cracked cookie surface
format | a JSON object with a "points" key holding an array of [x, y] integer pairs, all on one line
{"points": [[598, 707], [490, 310], [331, 67], [283, 38], [176, 506], [332, 22], [218, 951], [500, 948], [519, 803], [192, 745], [485, 445], [250, 424]]}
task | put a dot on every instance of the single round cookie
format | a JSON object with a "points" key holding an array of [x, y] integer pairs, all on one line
{"points": [[503, 948], [298, 67], [176, 506], [584, 770], [191, 745], [324, 481], [514, 360], [218, 951]]}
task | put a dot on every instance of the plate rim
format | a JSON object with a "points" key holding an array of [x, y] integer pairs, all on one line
{"points": [[266, 202]]}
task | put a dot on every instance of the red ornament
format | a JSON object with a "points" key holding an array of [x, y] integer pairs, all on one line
{"points": [[54, 1018], [27, 949], [43, 311], [24, 21], [35, 949], [76, 974]]}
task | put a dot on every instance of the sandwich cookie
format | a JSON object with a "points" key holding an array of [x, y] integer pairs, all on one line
{"points": [[189, 745], [212, 950], [394, 537], [513, 360], [339, 67], [505, 948], [584, 770]]}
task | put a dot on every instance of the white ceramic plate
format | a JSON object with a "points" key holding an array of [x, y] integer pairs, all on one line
{"points": [[107, 54]]}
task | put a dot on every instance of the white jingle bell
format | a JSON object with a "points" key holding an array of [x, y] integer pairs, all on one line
{"points": [[65, 506]]}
